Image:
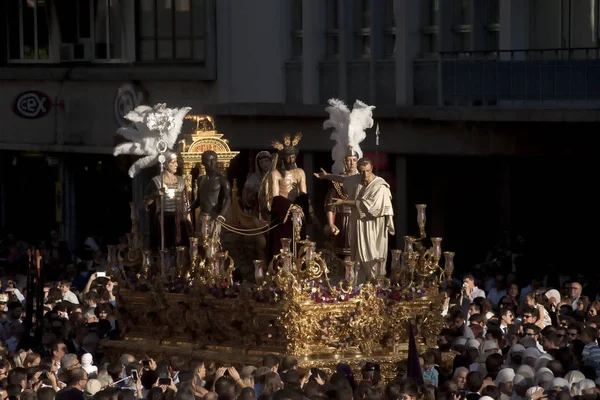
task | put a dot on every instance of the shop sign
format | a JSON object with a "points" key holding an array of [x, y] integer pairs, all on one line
{"points": [[32, 104]]}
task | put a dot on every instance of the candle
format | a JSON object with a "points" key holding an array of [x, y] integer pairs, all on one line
{"points": [[448, 262], [287, 262], [396, 258], [349, 271], [408, 244], [421, 217], [436, 249], [285, 245], [259, 274]]}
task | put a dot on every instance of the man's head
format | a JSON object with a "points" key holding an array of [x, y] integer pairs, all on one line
{"points": [[69, 362], [59, 349], [460, 377], [530, 329], [171, 162], [469, 280], [126, 359], [288, 159], [575, 291], [65, 286], [198, 368], [78, 378], [530, 315], [287, 150], [506, 316], [365, 169], [589, 335], [209, 161], [351, 160], [271, 361]]}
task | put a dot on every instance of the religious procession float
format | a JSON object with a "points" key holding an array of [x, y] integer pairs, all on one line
{"points": [[230, 274]]}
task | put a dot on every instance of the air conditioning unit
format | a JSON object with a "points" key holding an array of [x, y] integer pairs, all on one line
{"points": [[83, 51]]}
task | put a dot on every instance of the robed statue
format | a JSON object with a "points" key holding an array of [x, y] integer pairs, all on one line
{"points": [[250, 194], [348, 132], [372, 219]]}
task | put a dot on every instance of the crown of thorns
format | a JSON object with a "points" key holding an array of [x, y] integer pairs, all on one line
{"points": [[288, 142]]}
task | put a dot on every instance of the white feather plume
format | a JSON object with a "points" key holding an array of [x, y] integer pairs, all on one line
{"points": [[339, 119], [361, 118], [148, 125], [348, 129]]}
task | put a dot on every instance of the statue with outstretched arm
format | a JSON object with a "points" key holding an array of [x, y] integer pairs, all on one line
{"points": [[372, 216]]}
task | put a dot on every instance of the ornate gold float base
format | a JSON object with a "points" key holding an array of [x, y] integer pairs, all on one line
{"points": [[369, 325], [216, 356]]}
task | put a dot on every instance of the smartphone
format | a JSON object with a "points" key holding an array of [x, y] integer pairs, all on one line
{"points": [[146, 363], [164, 381], [100, 274], [134, 375]]}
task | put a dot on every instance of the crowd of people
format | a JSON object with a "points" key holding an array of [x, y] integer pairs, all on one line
{"points": [[499, 342]]}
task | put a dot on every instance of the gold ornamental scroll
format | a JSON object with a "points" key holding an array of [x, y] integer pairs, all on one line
{"points": [[203, 138]]}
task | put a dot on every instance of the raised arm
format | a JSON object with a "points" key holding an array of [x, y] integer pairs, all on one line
{"points": [[328, 177]]}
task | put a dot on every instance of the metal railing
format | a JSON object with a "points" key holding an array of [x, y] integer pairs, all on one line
{"points": [[520, 78]]}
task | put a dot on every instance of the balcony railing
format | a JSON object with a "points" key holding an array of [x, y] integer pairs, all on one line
{"points": [[515, 78]]}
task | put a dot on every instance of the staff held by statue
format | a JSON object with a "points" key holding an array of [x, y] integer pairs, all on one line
{"points": [[377, 149]]}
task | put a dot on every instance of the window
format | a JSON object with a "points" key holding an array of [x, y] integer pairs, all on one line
{"points": [[429, 24], [331, 30], [493, 25], [171, 30], [65, 30], [363, 33], [463, 15], [390, 29], [462, 12], [91, 30], [28, 31], [296, 15]]}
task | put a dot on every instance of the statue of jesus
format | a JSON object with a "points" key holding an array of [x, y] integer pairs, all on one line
{"points": [[287, 188]]}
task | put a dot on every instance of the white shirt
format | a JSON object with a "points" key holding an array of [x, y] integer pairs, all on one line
{"points": [[70, 297]]}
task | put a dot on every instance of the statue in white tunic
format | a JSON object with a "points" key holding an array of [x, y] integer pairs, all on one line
{"points": [[372, 216]]}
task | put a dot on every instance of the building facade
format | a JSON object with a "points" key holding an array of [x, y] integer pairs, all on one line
{"points": [[450, 79]]}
